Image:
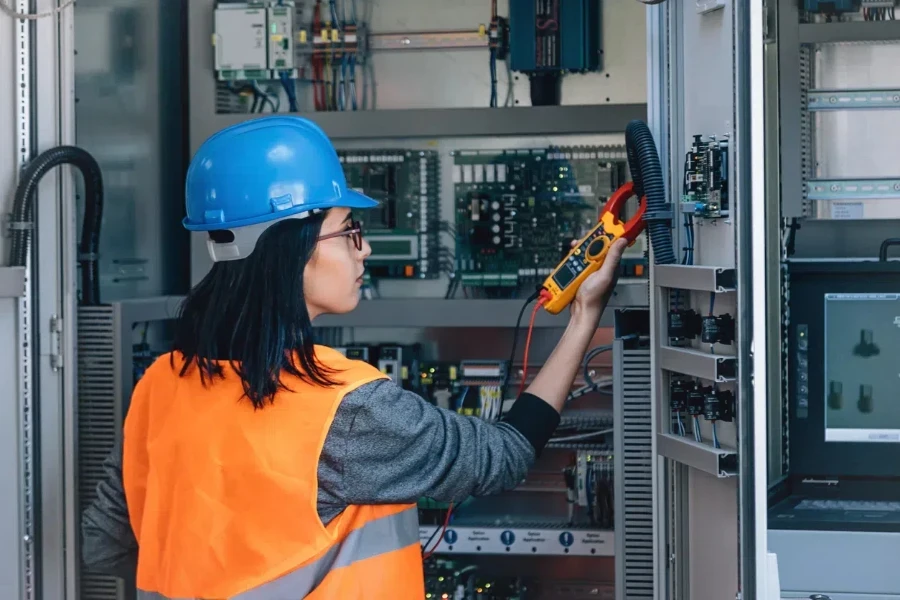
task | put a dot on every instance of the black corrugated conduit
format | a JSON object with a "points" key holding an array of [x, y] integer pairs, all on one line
{"points": [[646, 172], [22, 222]]}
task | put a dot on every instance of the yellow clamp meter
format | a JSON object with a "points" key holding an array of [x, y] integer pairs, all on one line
{"points": [[587, 256]]}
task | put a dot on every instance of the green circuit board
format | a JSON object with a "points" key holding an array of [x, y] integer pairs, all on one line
{"points": [[404, 230], [518, 210]]}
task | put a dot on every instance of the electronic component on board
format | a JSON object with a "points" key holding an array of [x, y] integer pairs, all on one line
{"points": [[718, 405], [517, 211], [404, 230], [678, 395], [590, 252], [717, 329], [705, 189], [684, 324], [696, 400]]}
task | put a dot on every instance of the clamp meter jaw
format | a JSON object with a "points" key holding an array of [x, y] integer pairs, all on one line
{"points": [[590, 252]]}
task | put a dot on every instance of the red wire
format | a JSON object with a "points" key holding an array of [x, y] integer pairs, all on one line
{"points": [[428, 554], [534, 312]]}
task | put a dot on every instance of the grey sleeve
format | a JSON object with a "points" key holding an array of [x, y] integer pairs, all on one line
{"points": [[389, 445], [109, 546]]}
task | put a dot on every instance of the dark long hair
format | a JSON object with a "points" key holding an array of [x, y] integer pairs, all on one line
{"points": [[252, 314]]}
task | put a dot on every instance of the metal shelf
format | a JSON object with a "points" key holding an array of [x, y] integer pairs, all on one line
{"points": [[705, 365], [719, 462], [437, 312], [829, 100], [539, 541], [12, 282], [698, 278], [857, 31], [456, 122], [392, 312]]}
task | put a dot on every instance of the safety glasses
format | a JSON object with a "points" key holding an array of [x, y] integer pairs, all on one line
{"points": [[354, 230]]}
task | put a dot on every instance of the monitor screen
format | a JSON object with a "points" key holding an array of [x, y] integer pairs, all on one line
{"points": [[862, 367]]}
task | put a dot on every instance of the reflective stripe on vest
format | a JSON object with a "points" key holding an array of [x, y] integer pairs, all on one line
{"points": [[376, 537]]}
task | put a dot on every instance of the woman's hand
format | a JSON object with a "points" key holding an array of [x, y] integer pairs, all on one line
{"points": [[553, 382], [594, 293]]}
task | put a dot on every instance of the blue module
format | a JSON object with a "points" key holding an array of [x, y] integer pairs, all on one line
{"points": [[831, 6], [553, 36]]}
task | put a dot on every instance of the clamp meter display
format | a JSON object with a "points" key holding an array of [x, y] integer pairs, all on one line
{"points": [[587, 256]]}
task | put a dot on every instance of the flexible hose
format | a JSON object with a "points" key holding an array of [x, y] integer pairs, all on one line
{"points": [[646, 172], [22, 221]]}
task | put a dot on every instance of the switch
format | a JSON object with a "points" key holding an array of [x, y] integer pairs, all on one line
{"points": [[596, 248]]}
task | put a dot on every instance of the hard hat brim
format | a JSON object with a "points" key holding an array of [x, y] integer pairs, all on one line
{"points": [[354, 199], [350, 199]]}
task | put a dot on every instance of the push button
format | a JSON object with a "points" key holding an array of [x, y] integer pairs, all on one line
{"points": [[596, 248]]}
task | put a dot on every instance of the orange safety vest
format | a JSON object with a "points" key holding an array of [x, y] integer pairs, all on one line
{"points": [[222, 497]]}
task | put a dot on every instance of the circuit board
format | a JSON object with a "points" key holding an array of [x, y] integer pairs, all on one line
{"points": [[705, 191], [404, 230], [518, 210]]}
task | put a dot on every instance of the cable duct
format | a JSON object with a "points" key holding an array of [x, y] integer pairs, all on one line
{"points": [[646, 172], [22, 222]]}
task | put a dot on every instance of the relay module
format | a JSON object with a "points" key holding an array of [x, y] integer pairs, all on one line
{"points": [[404, 230], [705, 190], [518, 210]]}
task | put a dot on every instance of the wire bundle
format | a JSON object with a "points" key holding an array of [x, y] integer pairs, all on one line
{"points": [[878, 14], [334, 69]]}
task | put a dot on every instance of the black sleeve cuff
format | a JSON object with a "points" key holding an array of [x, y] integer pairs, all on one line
{"points": [[534, 419]]}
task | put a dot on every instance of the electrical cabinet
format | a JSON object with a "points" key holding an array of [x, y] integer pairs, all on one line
{"points": [[703, 313], [831, 439], [743, 416]]}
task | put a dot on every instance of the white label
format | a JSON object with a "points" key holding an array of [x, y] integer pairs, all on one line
{"points": [[847, 210]]}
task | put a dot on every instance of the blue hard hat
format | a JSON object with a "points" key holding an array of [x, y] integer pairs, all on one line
{"points": [[264, 170]]}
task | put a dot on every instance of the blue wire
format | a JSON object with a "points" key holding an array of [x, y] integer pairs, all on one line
{"points": [[715, 437], [289, 90], [493, 65], [353, 81], [334, 15]]}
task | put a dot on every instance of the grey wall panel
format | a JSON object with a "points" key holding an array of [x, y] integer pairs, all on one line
{"points": [[713, 544]]}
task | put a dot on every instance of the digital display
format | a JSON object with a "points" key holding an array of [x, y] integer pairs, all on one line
{"points": [[564, 276], [392, 247], [862, 370]]}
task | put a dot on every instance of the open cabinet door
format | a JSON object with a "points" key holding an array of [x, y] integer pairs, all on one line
{"points": [[708, 308]]}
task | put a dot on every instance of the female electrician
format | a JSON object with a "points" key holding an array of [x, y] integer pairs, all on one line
{"points": [[257, 466]]}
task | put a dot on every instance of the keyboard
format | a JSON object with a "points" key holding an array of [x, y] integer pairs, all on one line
{"points": [[849, 505]]}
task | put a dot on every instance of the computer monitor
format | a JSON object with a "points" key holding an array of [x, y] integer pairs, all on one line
{"points": [[862, 367], [844, 369]]}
